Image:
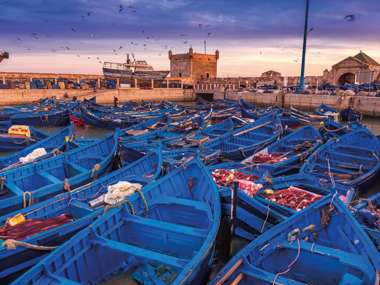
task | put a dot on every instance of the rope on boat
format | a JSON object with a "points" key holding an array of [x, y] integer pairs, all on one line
{"points": [[26, 199], [290, 264], [2, 182], [140, 192], [334, 131], [332, 181], [242, 153], [66, 185], [13, 244], [125, 201], [266, 219]]}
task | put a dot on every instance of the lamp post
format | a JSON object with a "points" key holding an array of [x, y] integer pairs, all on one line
{"points": [[301, 87]]}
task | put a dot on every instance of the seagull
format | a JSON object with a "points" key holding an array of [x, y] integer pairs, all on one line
{"points": [[349, 18]]}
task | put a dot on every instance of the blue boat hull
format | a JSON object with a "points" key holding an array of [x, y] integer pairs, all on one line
{"points": [[15, 262]]}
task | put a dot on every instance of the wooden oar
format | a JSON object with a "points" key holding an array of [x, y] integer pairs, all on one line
{"points": [[252, 129]]}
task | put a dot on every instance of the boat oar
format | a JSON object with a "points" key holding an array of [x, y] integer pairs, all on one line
{"points": [[252, 129]]}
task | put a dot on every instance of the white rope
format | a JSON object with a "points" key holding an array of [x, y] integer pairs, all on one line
{"points": [[290, 264], [266, 219]]}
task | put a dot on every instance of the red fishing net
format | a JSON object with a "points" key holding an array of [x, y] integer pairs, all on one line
{"points": [[268, 158], [293, 197], [225, 177], [31, 227]]}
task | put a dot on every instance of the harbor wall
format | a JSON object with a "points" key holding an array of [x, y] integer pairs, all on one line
{"points": [[367, 105], [25, 96]]}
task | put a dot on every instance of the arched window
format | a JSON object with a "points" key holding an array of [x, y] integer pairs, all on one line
{"points": [[207, 75]]}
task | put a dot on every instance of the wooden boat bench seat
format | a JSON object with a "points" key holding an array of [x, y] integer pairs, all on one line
{"points": [[344, 155], [50, 177], [351, 260], [184, 202], [140, 252], [250, 272], [166, 226], [349, 147]]}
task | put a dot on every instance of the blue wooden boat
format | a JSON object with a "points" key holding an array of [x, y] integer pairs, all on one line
{"points": [[53, 142], [250, 114], [247, 105], [168, 240], [262, 210], [352, 159], [323, 244], [76, 204], [245, 141], [286, 154], [39, 181], [349, 115], [210, 132], [16, 142], [326, 110], [366, 211], [105, 121], [59, 117], [146, 126]]}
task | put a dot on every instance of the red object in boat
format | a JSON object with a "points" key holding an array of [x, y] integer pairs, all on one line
{"points": [[250, 188], [78, 122], [31, 227], [294, 198], [268, 158], [224, 177]]}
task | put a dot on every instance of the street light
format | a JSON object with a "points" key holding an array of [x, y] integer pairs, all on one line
{"points": [[301, 87]]}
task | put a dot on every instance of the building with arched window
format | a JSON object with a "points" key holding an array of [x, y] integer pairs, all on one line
{"points": [[359, 69]]}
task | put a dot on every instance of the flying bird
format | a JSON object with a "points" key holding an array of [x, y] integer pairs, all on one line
{"points": [[121, 8], [209, 34], [310, 30], [349, 18], [74, 30]]}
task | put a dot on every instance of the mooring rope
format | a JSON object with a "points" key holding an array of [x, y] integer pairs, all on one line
{"points": [[13, 244]]}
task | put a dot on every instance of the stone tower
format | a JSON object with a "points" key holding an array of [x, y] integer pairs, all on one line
{"points": [[196, 66]]}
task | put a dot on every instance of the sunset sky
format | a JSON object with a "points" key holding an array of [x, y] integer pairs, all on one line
{"points": [[253, 36]]}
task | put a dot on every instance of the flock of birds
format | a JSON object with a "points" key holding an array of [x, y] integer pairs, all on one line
{"points": [[146, 42]]}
